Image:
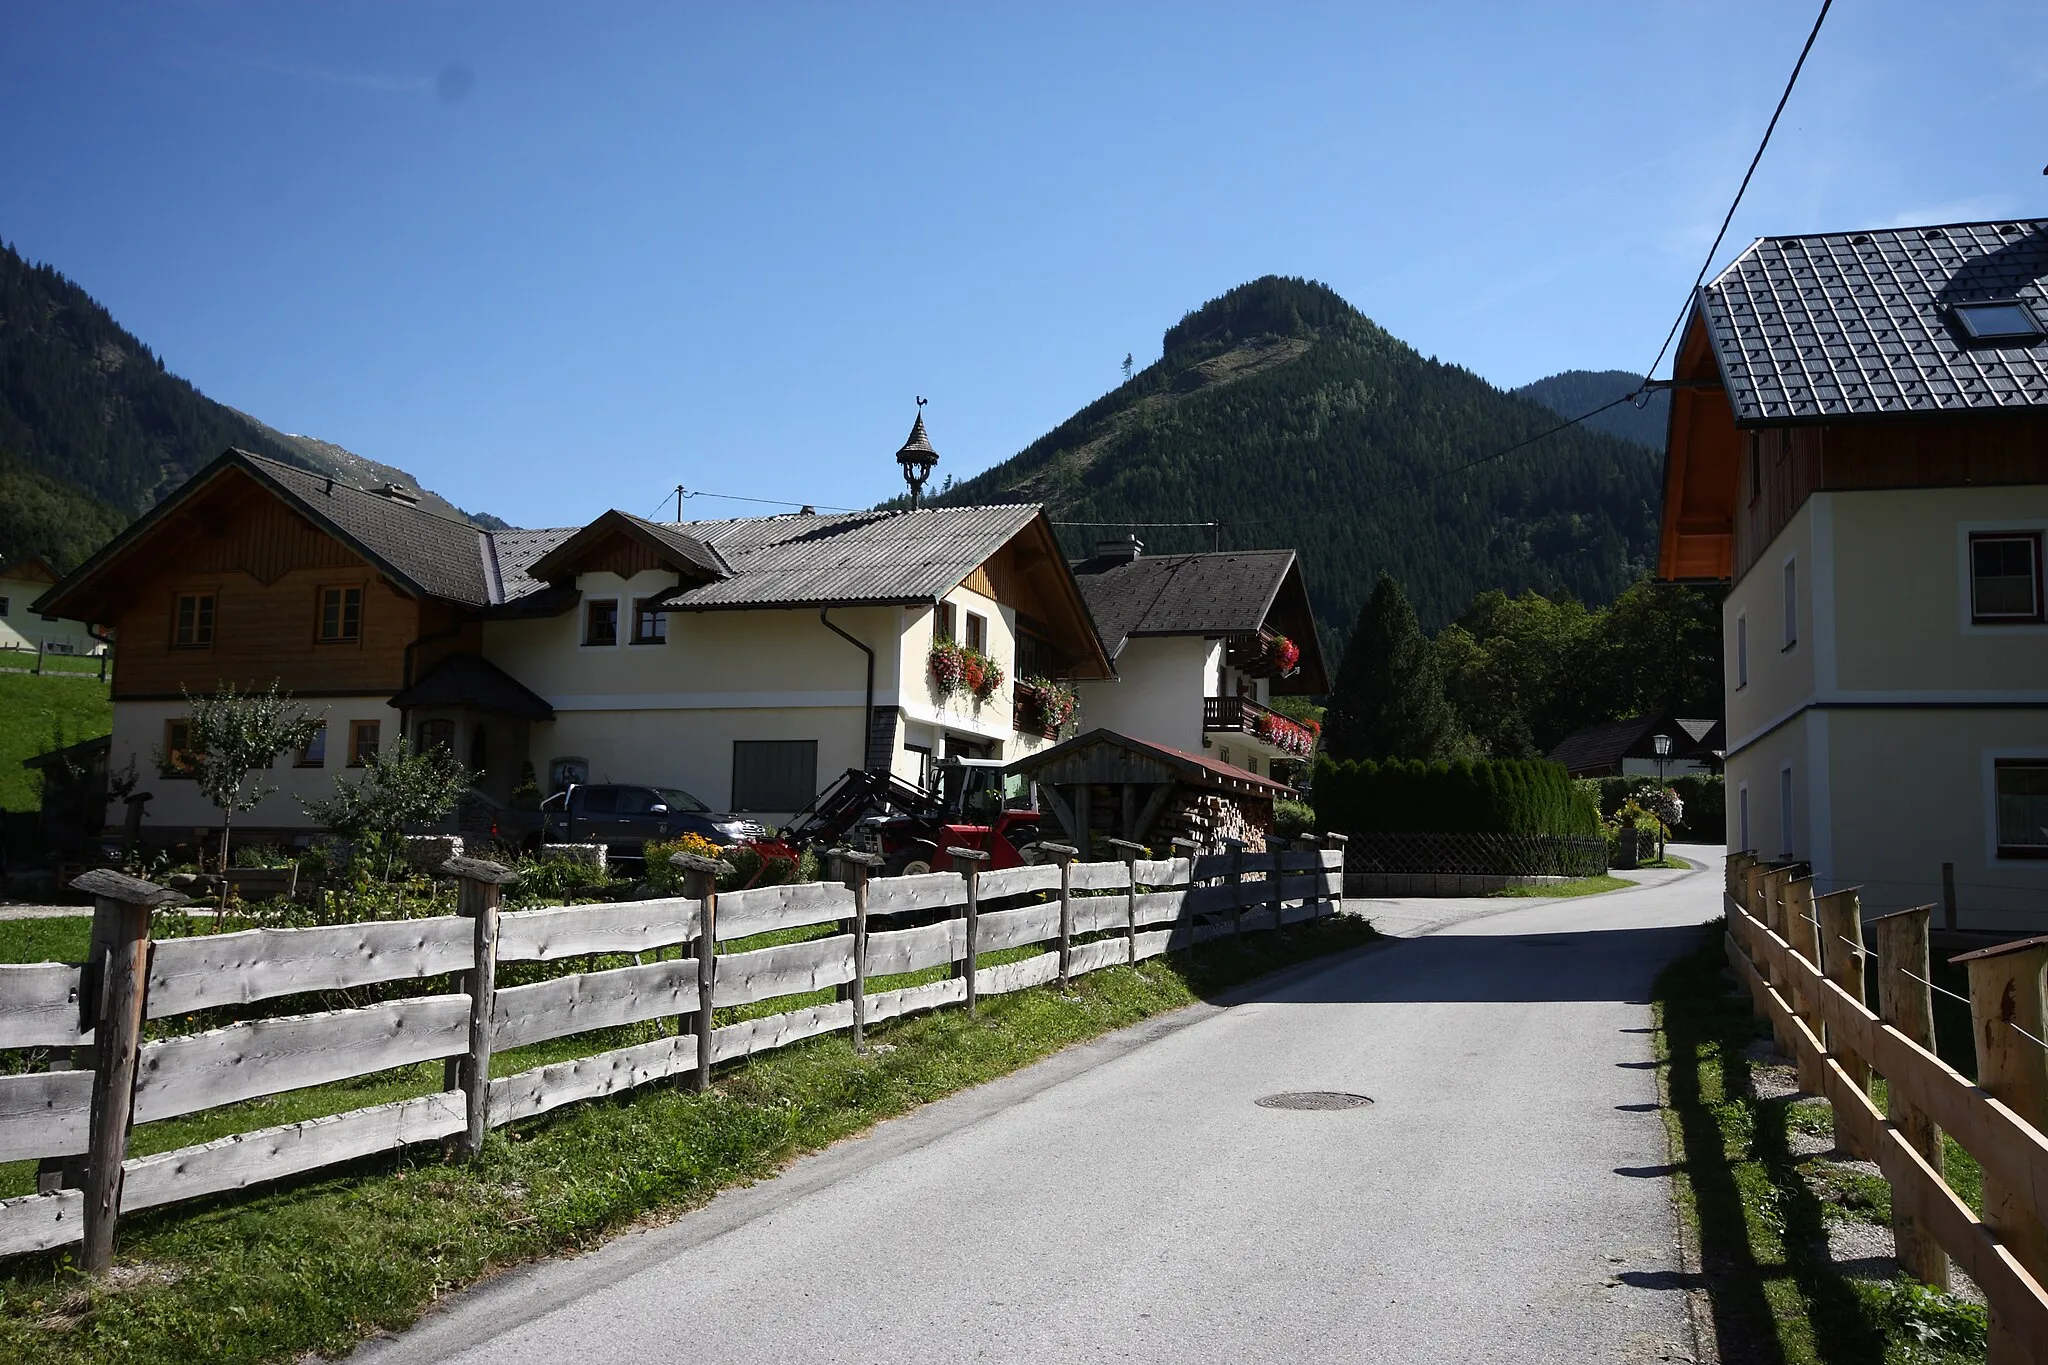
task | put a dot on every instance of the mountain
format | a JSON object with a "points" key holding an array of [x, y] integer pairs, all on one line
{"points": [[1573, 392], [85, 404], [1285, 413], [41, 516]]}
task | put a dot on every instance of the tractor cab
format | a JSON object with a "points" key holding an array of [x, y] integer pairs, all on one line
{"points": [[979, 806]]}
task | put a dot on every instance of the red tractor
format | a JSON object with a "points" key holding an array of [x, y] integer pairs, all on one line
{"points": [[912, 828]]}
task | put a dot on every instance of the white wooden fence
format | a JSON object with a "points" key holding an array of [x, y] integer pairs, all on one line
{"points": [[1090, 915]]}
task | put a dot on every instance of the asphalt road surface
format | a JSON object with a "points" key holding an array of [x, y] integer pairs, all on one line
{"points": [[1504, 1198]]}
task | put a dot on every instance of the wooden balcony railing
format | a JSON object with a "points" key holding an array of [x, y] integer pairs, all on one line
{"points": [[1230, 713]]}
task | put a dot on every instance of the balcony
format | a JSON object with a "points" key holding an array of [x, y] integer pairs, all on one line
{"points": [[1261, 725]]}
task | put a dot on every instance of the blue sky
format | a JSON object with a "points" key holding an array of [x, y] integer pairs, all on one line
{"points": [[554, 259]]}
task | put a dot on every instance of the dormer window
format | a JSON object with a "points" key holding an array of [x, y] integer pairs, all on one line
{"points": [[1999, 320], [601, 621]]}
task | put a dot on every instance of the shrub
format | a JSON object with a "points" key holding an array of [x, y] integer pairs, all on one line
{"points": [[1493, 796], [1291, 818]]}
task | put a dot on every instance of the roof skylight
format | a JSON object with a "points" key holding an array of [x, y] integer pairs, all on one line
{"points": [[1999, 320]]}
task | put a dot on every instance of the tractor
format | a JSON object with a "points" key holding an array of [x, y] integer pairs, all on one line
{"points": [[911, 827]]}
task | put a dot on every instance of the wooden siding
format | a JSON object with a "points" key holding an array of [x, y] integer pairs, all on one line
{"points": [[1778, 469], [620, 554]]}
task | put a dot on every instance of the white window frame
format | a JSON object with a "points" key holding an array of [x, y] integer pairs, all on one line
{"points": [[1790, 574], [1989, 760], [1787, 848], [1966, 624]]}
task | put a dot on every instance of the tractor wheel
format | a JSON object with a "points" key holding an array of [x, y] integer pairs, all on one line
{"points": [[907, 865]]}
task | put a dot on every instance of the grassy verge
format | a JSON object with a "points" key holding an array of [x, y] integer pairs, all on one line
{"points": [[1760, 1214], [34, 713], [318, 1264], [1582, 886]]}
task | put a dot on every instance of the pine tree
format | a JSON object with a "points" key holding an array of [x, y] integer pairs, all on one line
{"points": [[1389, 696]]}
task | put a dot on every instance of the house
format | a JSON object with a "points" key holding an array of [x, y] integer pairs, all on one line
{"points": [[1859, 444], [745, 661], [22, 581], [1202, 644], [1628, 748]]}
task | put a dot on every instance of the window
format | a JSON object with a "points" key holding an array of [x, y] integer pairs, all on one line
{"points": [[1999, 320], [942, 621], [977, 633], [650, 623], [179, 759], [2005, 578], [364, 739], [1785, 811], [2022, 807], [600, 800], [774, 774], [601, 622], [341, 615], [1791, 604], [1742, 655], [193, 621], [3, 607], [434, 734], [314, 754], [565, 773], [1742, 816]]}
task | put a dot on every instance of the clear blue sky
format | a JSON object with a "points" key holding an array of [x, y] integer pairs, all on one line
{"points": [[558, 258]]}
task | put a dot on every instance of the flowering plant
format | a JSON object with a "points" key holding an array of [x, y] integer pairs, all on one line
{"points": [[990, 674], [955, 666], [1284, 655], [949, 670], [1283, 733], [1044, 705]]}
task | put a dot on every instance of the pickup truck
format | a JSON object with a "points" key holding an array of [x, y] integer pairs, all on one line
{"points": [[624, 817]]}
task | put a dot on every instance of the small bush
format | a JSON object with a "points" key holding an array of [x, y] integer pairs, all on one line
{"points": [[1292, 818]]}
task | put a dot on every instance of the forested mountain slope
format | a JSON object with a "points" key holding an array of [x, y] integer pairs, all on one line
{"points": [[89, 406], [1283, 412], [1573, 392]]}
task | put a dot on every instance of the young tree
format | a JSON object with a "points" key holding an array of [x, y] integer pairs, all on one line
{"points": [[1389, 697], [398, 788], [232, 735]]}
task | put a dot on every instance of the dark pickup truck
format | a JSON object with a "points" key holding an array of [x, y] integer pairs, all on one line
{"points": [[623, 818]]}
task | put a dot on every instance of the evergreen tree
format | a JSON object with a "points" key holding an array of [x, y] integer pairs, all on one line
{"points": [[1389, 697]]}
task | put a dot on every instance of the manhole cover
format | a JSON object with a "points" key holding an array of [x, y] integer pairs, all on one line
{"points": [[1315, 1099]]}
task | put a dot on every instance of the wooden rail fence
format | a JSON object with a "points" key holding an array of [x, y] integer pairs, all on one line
{"points": [[1804, 958], [105, 1076]]}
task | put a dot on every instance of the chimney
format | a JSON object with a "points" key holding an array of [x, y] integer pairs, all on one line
{"points": [[1124, 551], [398, 492]]}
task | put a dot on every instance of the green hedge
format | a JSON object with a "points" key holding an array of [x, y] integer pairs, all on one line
{"points": [[1496, 796]]}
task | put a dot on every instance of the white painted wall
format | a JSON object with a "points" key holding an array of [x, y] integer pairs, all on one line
{"points": [[23, 629], [1158, 691]]}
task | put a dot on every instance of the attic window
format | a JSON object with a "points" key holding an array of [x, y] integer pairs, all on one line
{"points": [[1998, 320]]}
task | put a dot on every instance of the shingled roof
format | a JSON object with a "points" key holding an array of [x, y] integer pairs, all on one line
{"points": [[1853, 324], [1228, 592]]}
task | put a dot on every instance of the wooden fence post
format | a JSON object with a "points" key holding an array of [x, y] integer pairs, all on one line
{"points": [[1132, 852], [480, 885], [1274, 879], [2006, 1006], [969, 861], [1801, 929], [1307, 843], [1064, 855], [1190, 850], [700, 883], [1841, 947], [1905, 1001], [1767, 891], [1336, 841], [122, 905], [1236, 874], [855, 867]]}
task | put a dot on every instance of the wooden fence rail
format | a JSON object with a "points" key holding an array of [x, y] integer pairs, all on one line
{"points": [[1088, 915], [1803, 958]]}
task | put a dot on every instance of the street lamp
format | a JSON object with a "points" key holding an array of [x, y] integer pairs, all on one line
{"points": [[1661, 746]]}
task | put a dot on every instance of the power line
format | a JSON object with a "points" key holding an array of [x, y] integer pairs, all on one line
{"points": [[1705, 265], [682, 495], [1741, 189]]}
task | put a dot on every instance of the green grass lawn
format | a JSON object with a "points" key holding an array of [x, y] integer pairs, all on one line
{"points": [[33, 713], [1582, 886], [318, 1263], [1759, 1214], [52, 663]]}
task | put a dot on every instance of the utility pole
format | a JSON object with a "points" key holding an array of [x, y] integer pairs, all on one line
{"points": [[679, 502]]}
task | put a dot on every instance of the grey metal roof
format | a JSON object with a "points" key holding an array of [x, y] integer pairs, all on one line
{"points": [[812, 560], [1858, 323], [1226, 593]]}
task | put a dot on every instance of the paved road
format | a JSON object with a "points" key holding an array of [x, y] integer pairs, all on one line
{"points": [[1503, 1200]]}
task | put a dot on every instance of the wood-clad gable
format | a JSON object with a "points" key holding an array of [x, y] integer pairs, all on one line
{"points": [[1030, 575]]}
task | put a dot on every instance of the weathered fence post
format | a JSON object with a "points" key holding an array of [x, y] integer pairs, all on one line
{"points": [[1905, 1001], [121, 908], [1307, 843], [1841, 947], [1064, 855], [1275, 879], [969, 861], [480, 885], [1190, 850], [1764, 896], [1236, 874], [1132, 852], [700, 883], [1336, 841], [1802, 931], [855, 867], [2006, 1006]]}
